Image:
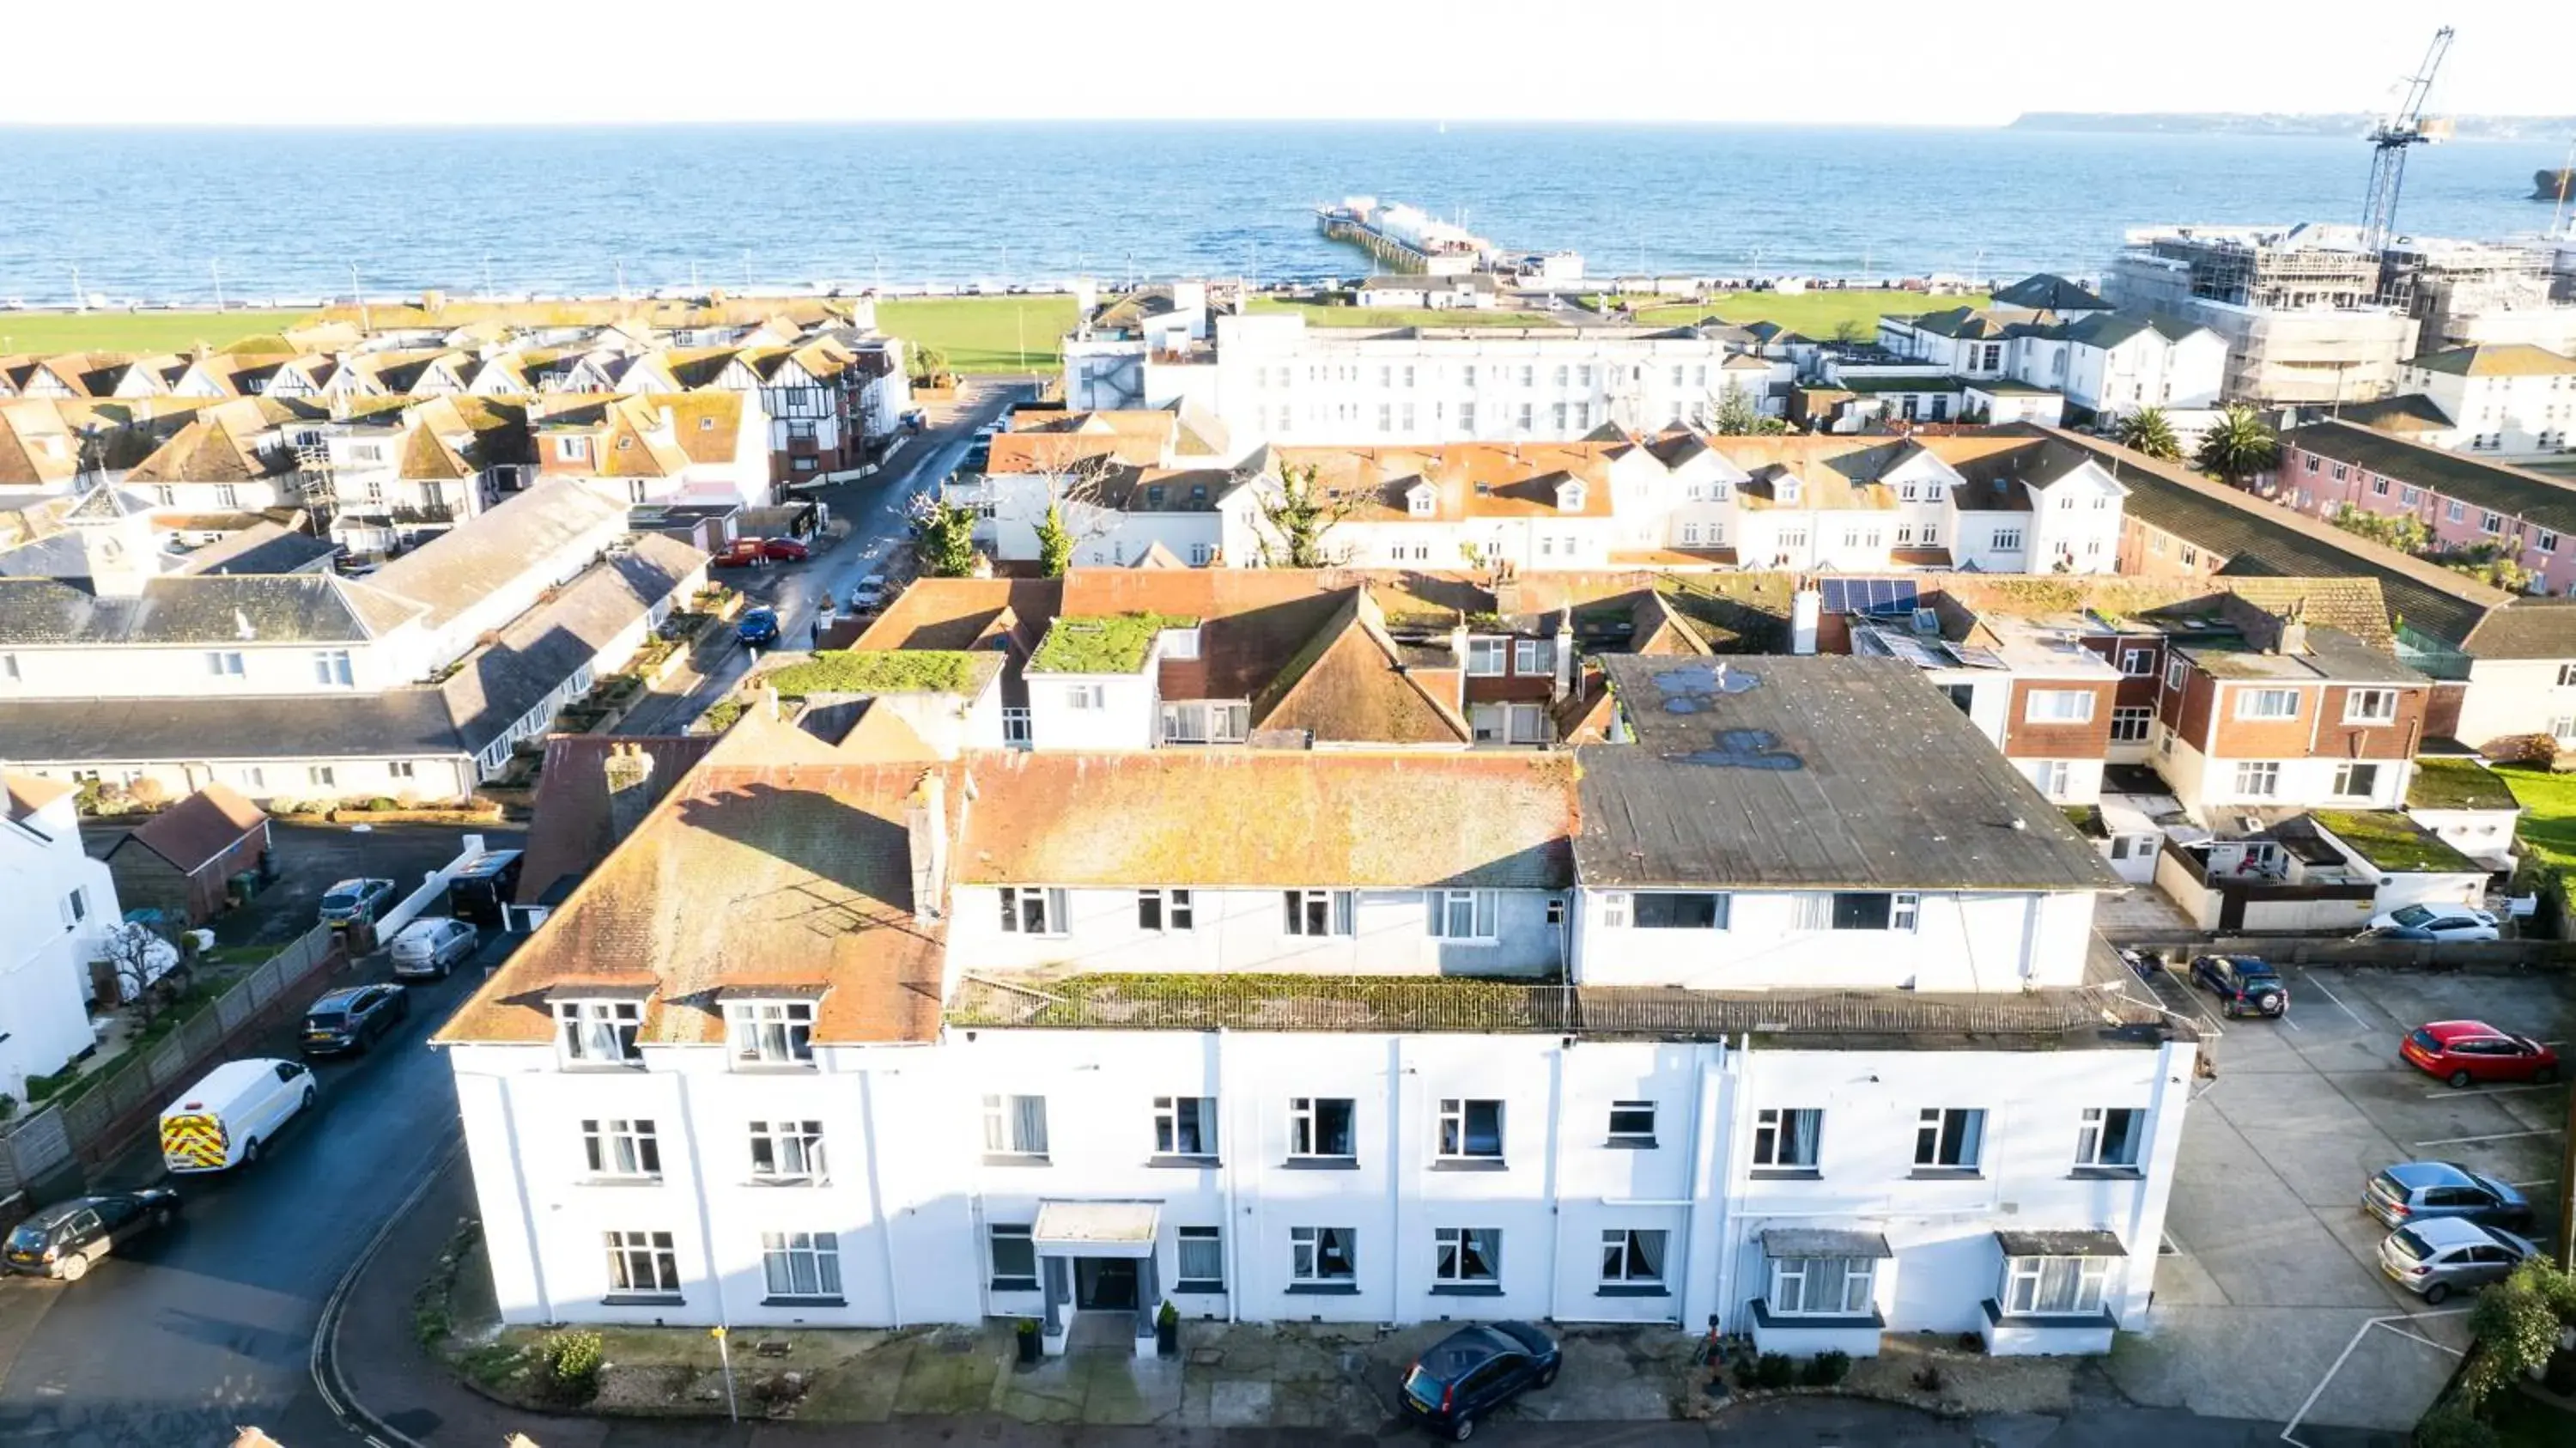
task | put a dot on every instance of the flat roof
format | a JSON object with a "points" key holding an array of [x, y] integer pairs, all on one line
{"points": [[1821, 772]]}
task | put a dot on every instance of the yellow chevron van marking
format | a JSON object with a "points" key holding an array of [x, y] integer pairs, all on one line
{"points": [[196, 1140]]}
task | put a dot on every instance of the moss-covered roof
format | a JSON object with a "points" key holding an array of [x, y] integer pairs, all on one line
{"points": [[2457, 784], [880, 671], [1116, 643], [2087, 819], [2391, 841]]}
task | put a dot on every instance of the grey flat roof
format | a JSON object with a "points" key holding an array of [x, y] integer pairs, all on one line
{"points": [[2084, 1243], [1820, 772], [1823, 1242]]}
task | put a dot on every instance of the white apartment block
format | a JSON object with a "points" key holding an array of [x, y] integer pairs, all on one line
{"points": [[59, 906], [2508, 400], [1352, 1037]]}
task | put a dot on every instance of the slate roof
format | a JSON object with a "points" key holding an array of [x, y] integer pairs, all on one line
{"points": [[1815, 772], [498, 685], [2547, 501], [1249, 818], [2048, 292], [196, 831], [572, 828], [262, 548], [1348, 685], [199, 609], [489, 551], [2404, 413]]}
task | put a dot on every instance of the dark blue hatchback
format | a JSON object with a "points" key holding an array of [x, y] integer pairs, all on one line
{"points": [[1475, 1370]]}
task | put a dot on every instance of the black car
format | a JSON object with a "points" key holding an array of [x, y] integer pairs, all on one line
{"points": [[2243, 985], [65, 1238], [1475, 1370], [352, 1017]]}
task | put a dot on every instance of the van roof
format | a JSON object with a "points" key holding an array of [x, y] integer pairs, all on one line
{"points": [[217, 1088], [489, 862]]}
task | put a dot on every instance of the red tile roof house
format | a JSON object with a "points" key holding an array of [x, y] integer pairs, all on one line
{"points": [[182, 859]]}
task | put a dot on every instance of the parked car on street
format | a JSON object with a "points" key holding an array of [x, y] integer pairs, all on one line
{"points": [[2434, 922], [784, 550], [432, 946], [2415, 1191], [223, 1120], [1475, 1370], [2461, 1052], [482, 891], [872, 595], [2438, 1256], [2243, 984], [740, 553], [757, 628], [352, 902], [352, 1018], [63, 1240]]}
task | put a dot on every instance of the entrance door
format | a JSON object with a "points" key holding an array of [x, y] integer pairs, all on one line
{"points": [[1107, 1283]]}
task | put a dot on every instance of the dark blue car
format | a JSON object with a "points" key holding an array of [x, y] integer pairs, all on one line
{"points": [[757, 628], [1475, 1370]]}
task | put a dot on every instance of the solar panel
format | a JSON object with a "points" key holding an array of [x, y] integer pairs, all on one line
{"points": [[1914, 653], [1977, 658], [1834, 595]]}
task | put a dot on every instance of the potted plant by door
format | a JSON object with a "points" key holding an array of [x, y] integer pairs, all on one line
{"points": [[1167, 1330], [1028, 1341]]}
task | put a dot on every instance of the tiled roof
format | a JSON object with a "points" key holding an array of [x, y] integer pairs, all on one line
{"points": [[2407, 412], [491, 550], [2527, 628], [1467, 479], [211, 449], [1041, 440], [199, 609], [1243, 818], [262, 548], [2351, 604], [572, 828], [27, 793], [2498, 359], [396, 724], [2547, 501], [197, 830], [794, 877], [962, 613], [1347, 686], [496, 686]]}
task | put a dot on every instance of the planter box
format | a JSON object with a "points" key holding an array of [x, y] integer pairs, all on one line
{"points": [[484, 814]]}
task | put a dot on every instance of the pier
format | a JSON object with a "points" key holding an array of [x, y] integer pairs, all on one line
{"points": [[1408, 239]]}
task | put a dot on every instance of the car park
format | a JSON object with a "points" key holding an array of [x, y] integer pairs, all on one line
{"points": [[2438, 1256], [2434, 922], [2244, 985], [66, 1239], [432, 946], [224, 1120], [1471, 1372], [2465, 1052], [757, 628], [352, 1018], [2415, 1191], [354, 902]]}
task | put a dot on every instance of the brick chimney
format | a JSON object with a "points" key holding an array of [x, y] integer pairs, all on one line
{"points": [[630, 795], [925, 828]]}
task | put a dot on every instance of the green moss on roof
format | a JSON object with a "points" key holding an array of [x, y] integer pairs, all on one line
{"points": [[260, 344], [2457, 784], [874, 671], [1115, 643], [2087, 820], [2391, 841], [1250, 1000]]}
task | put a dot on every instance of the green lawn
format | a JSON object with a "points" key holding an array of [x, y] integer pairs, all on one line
{"points": [[1815, 314], [2549, 810], [1321, 315], [132, 331], [984, 334]]}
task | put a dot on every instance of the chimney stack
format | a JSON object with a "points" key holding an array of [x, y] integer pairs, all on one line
{"points": [[1563, 684], [630, 774], [925, 827]]}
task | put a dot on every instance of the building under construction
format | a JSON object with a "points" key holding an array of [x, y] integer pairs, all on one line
{"points": [[2469, 293], [2303, 309]]}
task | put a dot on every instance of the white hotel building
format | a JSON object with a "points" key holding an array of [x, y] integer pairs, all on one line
{"points": [[1750, 1018]]}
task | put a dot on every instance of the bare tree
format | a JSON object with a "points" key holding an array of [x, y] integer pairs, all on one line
{"points": [[1298, 513], [141, 959], [1072, 497]]}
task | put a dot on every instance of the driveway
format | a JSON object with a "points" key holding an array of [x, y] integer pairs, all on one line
{"points": [[2270, 1277]]}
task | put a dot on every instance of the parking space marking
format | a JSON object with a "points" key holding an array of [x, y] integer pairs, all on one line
{"points": [[2359, 1333], [2338, 1000], [2498, 1136]]}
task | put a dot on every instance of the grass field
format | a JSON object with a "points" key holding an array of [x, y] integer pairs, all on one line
{"points": [[131, 331], [1325, 316], [1815, 314], [984, 334], [2549, 811]]}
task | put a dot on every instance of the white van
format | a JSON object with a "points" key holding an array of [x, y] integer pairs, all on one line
{"points": [[222, 1120]]}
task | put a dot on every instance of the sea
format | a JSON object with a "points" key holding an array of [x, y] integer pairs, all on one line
{"points": [[169, 217]]}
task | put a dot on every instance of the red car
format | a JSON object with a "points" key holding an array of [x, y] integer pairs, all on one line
{"points": [[784, 550], [2464, 1051], [740, 553]]}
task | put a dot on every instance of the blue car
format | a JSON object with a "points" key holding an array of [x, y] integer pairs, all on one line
{"points": [[757, 628], [1475, 1370]]}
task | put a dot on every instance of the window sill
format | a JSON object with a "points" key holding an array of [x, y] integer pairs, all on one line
{"points": [[773, 1068], [788, 1181], [1323, 1289], [643, 1299], [1789, 1174], [1629, 1143], [1192, 1285], [1015, 1284], [2107, 1174], [1016, 1158], [1945, 1174], [1470, 1163], [1320, 1163], [1466, 1289], [619, 1181], [1184, 1160], [1634, 1289], [804, 1302]]}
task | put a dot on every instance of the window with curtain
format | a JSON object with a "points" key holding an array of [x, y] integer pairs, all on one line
{"points": [[1632, 1258], [2044, 1285], [1185, 1125], [1471, 1128], [787, 1151], [1467, 1256], [1202, 1260], [1463, 914], [1015, 1257], [1787, 1138], [621, 1148], [1322, 1254], [1821, 1286], [1950, 1138], [801, 1264], [771, 1033], [1015, 1125], [2109, 1136]]}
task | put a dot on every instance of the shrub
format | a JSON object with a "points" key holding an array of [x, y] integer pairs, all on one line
{"points": [[149, 793], [2522, 749], [2453, 1426], [1826, 1369], [1774, 1370], [382, 803], [2515, 1323], [573, 1357]]}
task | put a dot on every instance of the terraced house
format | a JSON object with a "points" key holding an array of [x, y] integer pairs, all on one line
{"points": [[1737, 1015], [2467, 506]]}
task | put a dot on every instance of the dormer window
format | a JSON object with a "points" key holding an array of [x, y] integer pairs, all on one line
{"points": [[1421, 501], [1180, 643], [770, 1032], [1786, 490], [597, 1032], [1569, 497]]}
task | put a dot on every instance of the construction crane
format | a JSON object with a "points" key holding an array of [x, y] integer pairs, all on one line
{"points": [[2399, 131]]}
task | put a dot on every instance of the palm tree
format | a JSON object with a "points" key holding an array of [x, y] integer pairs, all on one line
{"points": [[2147, 430], [2238, 446]]}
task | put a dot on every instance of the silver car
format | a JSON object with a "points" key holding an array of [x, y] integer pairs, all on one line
{"points": [[432, 946], [2438, 1256]]}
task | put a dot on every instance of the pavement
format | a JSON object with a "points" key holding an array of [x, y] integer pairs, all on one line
{"points": [[874, 512]]}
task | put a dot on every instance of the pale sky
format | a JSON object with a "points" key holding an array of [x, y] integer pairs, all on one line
{"points": [[1869, 62]]}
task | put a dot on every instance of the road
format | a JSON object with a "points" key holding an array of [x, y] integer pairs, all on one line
{"points": [[873, 508]]}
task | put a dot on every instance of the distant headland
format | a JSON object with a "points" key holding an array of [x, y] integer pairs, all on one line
{"points": [[2270, 123]]}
